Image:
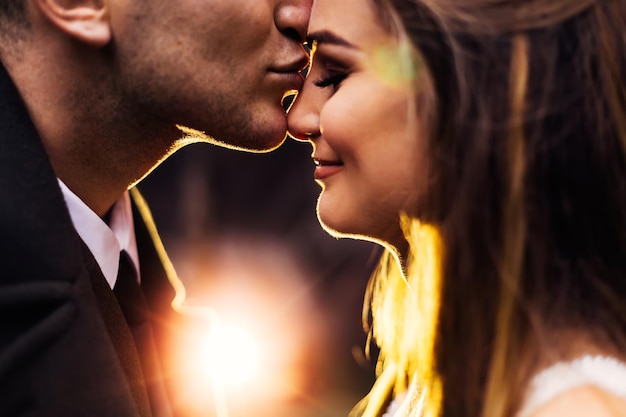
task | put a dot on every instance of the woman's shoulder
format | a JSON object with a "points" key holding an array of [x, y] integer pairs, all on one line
{"points": [[590, 385]]}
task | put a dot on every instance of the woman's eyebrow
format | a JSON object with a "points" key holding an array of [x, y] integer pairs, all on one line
{"points": [[325, 36]]}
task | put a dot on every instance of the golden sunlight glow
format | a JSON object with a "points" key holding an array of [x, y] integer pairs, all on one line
{"points": [[250, 352], [407, 342], [231, 356]]}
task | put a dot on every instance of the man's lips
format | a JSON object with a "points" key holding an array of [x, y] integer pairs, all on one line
{"points": [[288, 73], [297, 64], [326, 168], [288, 80]]}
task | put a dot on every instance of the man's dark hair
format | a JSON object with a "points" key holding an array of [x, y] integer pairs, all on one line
{"points": [[13, 17]]}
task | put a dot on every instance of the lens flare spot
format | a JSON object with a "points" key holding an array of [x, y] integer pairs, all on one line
{"points": [[396, 64], [231, 356]]}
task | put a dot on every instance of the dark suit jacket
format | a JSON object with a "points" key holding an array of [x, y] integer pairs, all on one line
{"points": [[65, 348]]}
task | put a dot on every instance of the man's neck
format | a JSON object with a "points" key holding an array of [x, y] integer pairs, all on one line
{"points": [[95, 148]]}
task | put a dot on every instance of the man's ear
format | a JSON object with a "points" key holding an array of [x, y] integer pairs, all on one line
{"points": [[85, 20]]}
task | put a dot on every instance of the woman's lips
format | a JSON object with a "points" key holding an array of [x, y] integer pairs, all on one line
{"points": [[325, 169]]}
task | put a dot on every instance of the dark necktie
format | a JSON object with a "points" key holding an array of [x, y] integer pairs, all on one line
{"points": [[128, 293], [136, 311]]}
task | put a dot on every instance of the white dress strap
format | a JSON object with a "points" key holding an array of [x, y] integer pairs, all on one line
{"points": [[603, 372]]}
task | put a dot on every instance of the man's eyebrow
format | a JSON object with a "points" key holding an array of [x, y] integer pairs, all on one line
{"points": [[325, 36]]}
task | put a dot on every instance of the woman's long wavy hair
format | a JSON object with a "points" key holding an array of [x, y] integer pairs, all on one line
{"points": [[528, 198]]}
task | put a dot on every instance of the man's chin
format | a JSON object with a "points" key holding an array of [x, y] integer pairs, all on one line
{"points": [[257, 140], [269, 146], [259, 136]]}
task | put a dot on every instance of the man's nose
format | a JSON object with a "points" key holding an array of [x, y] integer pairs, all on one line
{"points": [[292, 18]]}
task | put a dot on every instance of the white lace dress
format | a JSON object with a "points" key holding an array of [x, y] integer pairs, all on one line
{"points": [[602, 372]]}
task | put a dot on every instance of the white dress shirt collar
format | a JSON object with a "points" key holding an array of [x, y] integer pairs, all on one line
{"points": [[105, 242]]}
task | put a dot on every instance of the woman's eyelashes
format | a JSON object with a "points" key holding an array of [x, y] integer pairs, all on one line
{"points": [[331, 78]]}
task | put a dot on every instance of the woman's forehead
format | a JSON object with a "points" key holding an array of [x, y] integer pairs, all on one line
{"points": [[353, 20]]}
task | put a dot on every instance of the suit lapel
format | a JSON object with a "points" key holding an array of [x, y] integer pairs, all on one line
{"points": [[40, 252]]}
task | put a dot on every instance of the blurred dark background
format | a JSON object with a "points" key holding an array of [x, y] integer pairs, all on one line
{"points": [[242, 232]]}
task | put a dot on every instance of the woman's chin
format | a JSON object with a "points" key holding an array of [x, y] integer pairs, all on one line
{"points": [[394, 242], [343, 231]]}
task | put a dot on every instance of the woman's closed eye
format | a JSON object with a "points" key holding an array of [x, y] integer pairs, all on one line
{"points": [[331, 78]]}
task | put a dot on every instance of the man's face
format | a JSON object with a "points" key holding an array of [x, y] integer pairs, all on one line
{"points": [[218, 66]]}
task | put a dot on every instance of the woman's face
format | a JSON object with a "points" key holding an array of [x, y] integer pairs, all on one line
{"points": [[358, 109]]}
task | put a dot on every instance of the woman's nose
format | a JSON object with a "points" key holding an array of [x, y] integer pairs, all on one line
{"points": [[303, 119]]}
